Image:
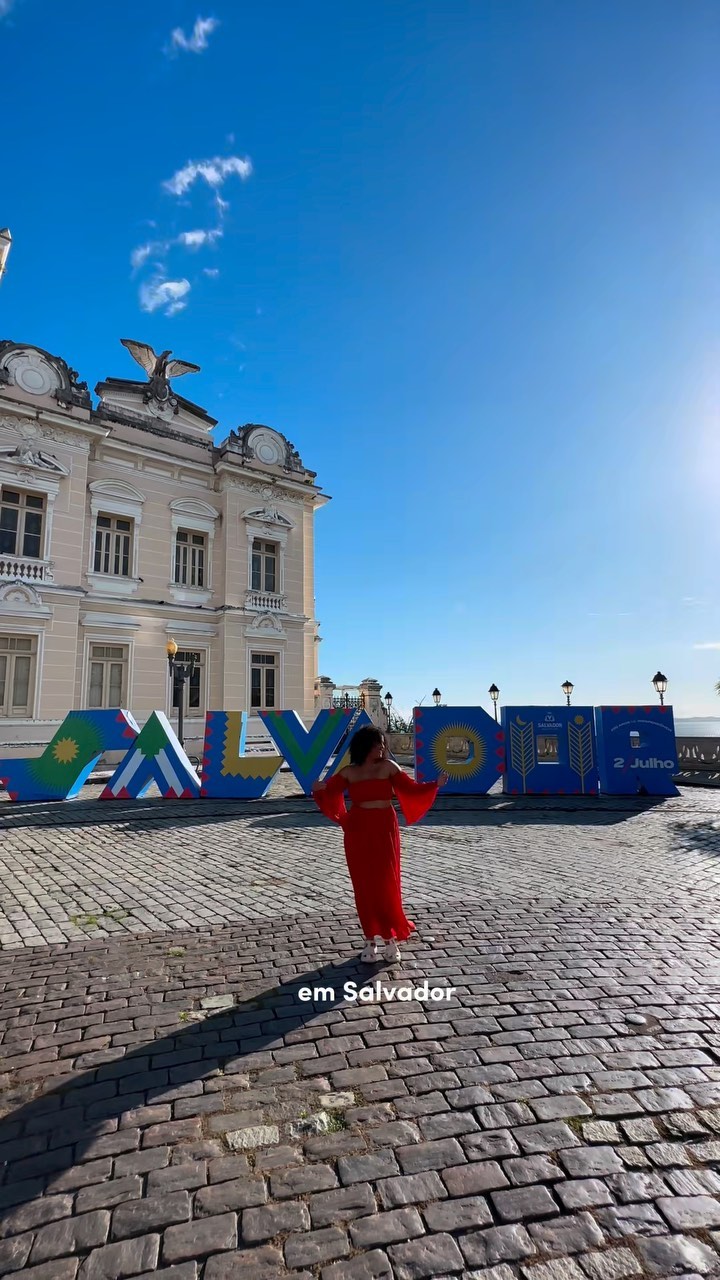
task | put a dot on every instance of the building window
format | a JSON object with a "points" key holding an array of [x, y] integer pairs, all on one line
{"points": [[194, 685], [21, 523], [190, 555], [113, 541], [17, 675], [264, 566], [263, 680], [108, 675]]}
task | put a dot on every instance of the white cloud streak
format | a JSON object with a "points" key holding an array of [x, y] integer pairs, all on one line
{"points": [[214, 172], [710, 644], [139, 256], [196, 239], [168, 296], [197, 41], [212, 272]]}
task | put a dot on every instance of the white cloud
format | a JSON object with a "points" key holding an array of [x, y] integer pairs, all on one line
{"points": [[214, 172], [212, 272], [710, 644], [139, 256], [166, 295], [197, 42], [196, 239]]}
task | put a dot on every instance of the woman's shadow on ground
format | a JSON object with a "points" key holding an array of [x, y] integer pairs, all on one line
{"points": [[42, 1138]]}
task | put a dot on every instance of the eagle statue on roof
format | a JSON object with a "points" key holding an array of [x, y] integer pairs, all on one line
{"points": [[159, 368]]}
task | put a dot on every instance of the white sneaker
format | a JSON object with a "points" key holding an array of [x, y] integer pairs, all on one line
{"points": [[391, 951], [369, 953]]}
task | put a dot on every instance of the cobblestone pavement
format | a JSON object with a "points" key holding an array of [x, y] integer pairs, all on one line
{"points": [[171, 1105], [90, 869]]}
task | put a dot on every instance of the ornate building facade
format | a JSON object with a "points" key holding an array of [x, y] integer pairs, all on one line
{"points": [[122, 526]]}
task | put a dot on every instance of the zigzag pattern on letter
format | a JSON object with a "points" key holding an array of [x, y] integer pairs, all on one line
{"points": [[227, 773], [156, 756]]}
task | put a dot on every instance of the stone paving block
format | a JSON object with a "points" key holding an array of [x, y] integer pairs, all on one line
{"points": [[688, 1213], [372, 1265], [327, 1208], [629, 1187], [122, 1260], [440, 1154], [497, 1244], [301, 1181], [428, 1256], [316, 1247], [366, 1168], [631, 1220], [583, 1193], [58, 1269], [473, 1179], [670, 1255], [612, 1264], [262, 1262], [152, 1213], [230, 1196], [71, 1235], [34, 1213], [590, 1162], [523, 1202], [529, 1169], [490, 1145], [575, 1233], [560, 1269], [415, 1188], [15, 1252], [202, 1237], [386, 1228]]}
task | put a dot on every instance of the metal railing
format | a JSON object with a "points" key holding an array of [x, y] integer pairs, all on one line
{"points": [[345, 703]]}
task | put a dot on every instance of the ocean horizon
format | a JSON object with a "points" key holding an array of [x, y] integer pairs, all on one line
{"points": [[704, 727]]}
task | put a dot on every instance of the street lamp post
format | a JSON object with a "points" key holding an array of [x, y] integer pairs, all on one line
{"points": [[494, 694], [180, 671], [436, 697], [567, 689], [5, 244], [661, 683]]}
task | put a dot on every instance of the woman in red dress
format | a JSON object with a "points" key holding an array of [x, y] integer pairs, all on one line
{"points": [[372, 835]]}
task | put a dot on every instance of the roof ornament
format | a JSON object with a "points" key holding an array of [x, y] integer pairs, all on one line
{"points": [[160, 369]]}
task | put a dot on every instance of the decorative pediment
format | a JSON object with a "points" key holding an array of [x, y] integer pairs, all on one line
{"points": [[20, 599], [116, 489], [117, 497], [22, 455], [266, 625], [193, 507], [268, 515]]}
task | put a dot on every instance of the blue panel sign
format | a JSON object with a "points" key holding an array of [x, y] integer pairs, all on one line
{"points": [[637, 751], [439, 729], [550, 751]]}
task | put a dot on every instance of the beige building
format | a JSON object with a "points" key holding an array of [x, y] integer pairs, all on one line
{"points": [[125, 525]]}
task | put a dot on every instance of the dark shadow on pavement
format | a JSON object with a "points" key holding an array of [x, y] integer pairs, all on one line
{"points": [[67, 1125], [300, 811]]}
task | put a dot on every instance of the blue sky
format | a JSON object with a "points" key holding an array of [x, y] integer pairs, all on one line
{"points": [[463, 253]]}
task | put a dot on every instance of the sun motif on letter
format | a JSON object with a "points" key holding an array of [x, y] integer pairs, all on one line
{"points": [[458, 768], [65, 750]]}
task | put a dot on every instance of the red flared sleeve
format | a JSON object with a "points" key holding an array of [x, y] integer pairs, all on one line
{"points": [[414, 798], [330, 800]]}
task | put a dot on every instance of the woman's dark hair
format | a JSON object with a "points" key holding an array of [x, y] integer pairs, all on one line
{"points": [[363, 742]]}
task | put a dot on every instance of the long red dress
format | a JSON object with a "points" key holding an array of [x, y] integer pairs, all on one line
{"points": [[372, 845]]}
